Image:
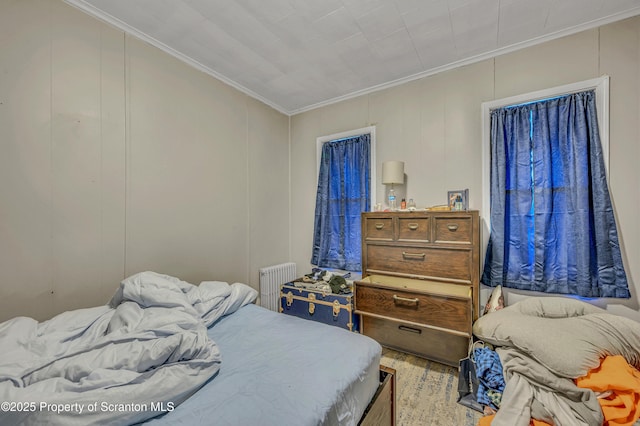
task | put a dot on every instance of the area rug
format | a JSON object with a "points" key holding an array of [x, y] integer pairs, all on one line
{"points": [[426, 392]]}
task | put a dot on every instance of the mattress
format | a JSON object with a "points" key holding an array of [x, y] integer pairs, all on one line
{"points": [[282, 370]]}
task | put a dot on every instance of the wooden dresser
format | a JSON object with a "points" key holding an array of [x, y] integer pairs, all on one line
{"points": [[419, 291]]}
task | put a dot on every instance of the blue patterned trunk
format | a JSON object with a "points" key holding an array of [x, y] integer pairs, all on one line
{"points": [[328, 308]]}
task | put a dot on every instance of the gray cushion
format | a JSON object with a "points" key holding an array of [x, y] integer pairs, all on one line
{"points": [[566, 335]]}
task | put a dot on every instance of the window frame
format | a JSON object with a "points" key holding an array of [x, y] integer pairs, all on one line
{"points": [[601, 87]]}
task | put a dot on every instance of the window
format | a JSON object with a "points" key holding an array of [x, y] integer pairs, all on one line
{"points": [[344, 192], [552, 223]]}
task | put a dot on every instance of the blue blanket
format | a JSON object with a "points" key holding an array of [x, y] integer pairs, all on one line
{"points": [[282, 370]]}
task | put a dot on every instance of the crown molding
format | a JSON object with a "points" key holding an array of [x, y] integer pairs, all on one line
{"points": [[99, 14], [105, 17], [481, 57]]}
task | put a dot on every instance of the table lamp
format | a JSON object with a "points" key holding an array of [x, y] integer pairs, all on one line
{"points": [[392, 173]]}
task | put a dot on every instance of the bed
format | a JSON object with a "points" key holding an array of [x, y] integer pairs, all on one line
{"points": [[167, 352], [564, 361]]}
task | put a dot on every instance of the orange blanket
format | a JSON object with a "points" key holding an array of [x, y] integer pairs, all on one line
{"points": [[622, 406], [614, 375]]}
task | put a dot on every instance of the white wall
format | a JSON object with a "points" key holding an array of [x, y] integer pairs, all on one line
{"points": [[117, 158], [434, 126]]}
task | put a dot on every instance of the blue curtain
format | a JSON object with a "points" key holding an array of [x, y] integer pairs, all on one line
{"points": [[553, 228], [343, 194]]}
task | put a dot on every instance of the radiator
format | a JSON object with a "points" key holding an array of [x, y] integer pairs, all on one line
{"points": [[271, 278]]}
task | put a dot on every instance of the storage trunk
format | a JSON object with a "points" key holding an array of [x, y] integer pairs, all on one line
{"points": [[328, 308]]}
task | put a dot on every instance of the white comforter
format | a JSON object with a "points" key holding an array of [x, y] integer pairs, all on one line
{"points": [[141, 355]]}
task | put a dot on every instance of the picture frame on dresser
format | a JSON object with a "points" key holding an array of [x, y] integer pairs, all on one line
{"points": [[458, 200]]}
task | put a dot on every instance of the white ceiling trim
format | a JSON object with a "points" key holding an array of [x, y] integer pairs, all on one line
{"points": [[467, 61], [93, 11], [97, 13]]}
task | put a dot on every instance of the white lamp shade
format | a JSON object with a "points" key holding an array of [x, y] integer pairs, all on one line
{"points": [[393, 172]]}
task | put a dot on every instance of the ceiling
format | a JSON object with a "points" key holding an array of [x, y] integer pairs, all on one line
{"points": [[296, 55]]}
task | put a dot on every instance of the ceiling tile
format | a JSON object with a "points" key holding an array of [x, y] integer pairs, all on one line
{"points": [[434, 17], [312, 10], [358, 8], [380, 22], [568, 13], [277, 10], [336, 26]]}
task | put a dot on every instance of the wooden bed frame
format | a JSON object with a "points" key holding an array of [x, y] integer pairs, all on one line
{"points": [[382, 408]]}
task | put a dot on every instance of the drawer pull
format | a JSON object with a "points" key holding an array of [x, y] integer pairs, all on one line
{"points": [[452, 227], [410, 329], [413, 255], [379, 226], [397, 299], [413, 226]]}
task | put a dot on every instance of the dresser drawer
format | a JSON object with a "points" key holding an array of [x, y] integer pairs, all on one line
{"points": [[378, 229], [419, 308], [431, 343], [453, 229], [414, 229], [441, 262]]}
